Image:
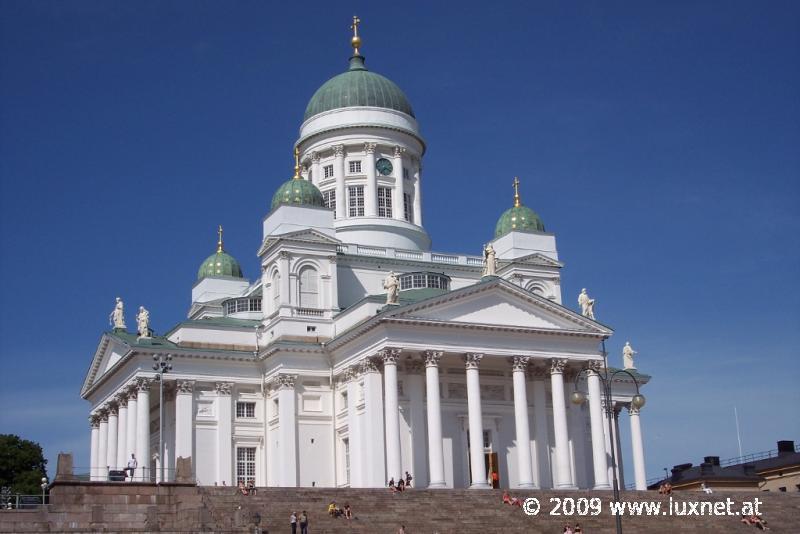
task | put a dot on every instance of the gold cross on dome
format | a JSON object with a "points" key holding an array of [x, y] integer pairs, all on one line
{"points": [[354, 26], [515, 183], [219, 240]]}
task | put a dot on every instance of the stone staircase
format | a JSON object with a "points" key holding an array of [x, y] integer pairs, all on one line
{"points": [[101, 507]]}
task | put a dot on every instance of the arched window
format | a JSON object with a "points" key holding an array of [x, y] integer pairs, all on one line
{"points": [[537, 289], [309, 288], [276, 292]]}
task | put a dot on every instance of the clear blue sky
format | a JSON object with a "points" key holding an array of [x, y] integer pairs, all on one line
{"points": [[658, 140]]}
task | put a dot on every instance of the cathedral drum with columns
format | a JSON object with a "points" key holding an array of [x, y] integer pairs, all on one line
{"points": [[359, 354]]}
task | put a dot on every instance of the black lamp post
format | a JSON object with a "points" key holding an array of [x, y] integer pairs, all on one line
{"points": [[637, 401], [161, 366]]}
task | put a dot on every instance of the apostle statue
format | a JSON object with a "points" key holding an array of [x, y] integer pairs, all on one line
{"points": [[627, 355], [143, 322], [117, 317], [489, 261], [392, 287], [587, 304]]}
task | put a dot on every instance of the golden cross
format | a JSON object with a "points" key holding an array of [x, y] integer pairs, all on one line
{"points": [[219, 241], [517, 202], [354, 26], [296, 163]]}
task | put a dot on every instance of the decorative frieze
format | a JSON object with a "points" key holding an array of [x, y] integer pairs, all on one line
{"points": [[472, 360], [432, 357], [223, 388]]}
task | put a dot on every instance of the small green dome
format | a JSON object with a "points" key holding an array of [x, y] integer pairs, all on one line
{"points": [[220, 263], [358, 87], [299, 192], [518, 218], [521, 219]]}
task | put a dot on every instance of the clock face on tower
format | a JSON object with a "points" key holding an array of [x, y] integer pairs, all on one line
{"points": [[384, 166]]}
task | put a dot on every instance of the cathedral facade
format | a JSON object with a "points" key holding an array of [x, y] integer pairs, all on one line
{"points": [[358, 354]]}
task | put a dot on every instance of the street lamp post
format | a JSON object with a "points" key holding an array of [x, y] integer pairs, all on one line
{"points": [[44, 487], [162, 366], [637, 401]]}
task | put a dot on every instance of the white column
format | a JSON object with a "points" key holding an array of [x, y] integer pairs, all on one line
{"points": [[122, 432], [94, 422], [130, 439], [540, 429], [598, 435], [113, 434], [285, 295], [394, 466], [102, 447], [563, 470], [415, 391], [287, 430], [476, 454], [338, 174], [519, 365], [637, 449], [435, 446], [354, 435], [418, 194], [399, 186], [371, 191], [184, 421], [315, 169], [224, 434], [143, 428], [375, 471]]}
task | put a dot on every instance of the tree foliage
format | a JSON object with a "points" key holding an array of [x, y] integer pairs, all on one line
{"points": [[22, 465]]}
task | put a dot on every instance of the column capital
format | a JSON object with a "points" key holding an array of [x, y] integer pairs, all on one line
{"points": [[284, 254], [113, 409], [432, 357], [223, 388], [284, 381], [103, 415], [352, 373], [472, 360], [390, 356], [519, 363], [183, 387], [632, 410], [315, 157], [595, 366], [369, 148], [398, 151], [338, 151], [121, 398], [557, 366], [143, 384], [369, 365], [94, 421]]}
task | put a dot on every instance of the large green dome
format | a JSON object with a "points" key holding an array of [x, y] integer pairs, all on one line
{"points": [[298, 192], [518, 218], [220, 263], [358, 87]]}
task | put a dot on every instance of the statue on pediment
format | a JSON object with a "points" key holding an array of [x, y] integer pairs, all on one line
{"points": [[627, 355], [392, 287], [143, 322], [117, 317], [586, 304], [489, 261]]}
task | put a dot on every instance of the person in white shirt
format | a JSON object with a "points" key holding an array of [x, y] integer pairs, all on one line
{"points": [[132, 465]]}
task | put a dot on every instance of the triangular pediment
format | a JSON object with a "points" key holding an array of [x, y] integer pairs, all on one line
{"points": [[109, 351], [536, 258], [500, 304], [308, 235]]}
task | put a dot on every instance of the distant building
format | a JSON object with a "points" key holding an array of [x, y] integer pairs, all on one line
{"points": [[775, 470]]}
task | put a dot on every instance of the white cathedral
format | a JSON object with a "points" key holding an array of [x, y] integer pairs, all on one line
{"points": [[358, 354]]}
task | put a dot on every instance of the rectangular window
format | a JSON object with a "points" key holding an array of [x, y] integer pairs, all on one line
{"points": [[405, 173], [354, 167], [330, 199], [245, 465], [246, 410], [356, 198], [242, 305], [230, 307], [405, 282], [255, 305], [408, 212], [347, 460], [327, 170], [384, 202]]}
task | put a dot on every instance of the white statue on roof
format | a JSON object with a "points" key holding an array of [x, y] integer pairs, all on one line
{"points": [[117, 317], [143, 322], [489, 261], [627, 355], [587, 304], [392, 287]]}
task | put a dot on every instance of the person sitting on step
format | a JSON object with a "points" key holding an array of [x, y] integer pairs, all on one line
{"points": [[391, 484], [348, 513], [401, 485], [242, 488], [508, 499]]}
